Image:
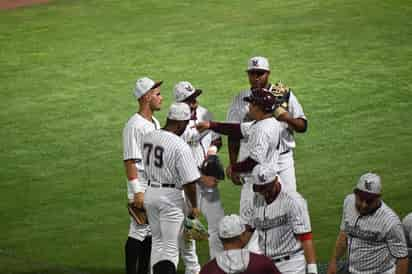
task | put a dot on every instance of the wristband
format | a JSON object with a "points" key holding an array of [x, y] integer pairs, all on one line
{"points": [[134, 185], [212, 150], [312, 268]]}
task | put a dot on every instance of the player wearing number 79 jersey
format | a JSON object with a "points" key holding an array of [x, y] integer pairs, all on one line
{"points": [[171, 172]]}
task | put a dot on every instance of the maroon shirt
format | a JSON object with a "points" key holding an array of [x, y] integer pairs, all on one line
{"points": [[257, 264]]}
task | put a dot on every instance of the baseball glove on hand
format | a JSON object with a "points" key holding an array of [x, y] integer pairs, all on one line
{"points": [[194, 230], [282, 94], [212, 166], [138, 214]]}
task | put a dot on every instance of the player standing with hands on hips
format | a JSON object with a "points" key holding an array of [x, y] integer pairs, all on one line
{"points": [[371, 233], [138, 245], [171, 173]]}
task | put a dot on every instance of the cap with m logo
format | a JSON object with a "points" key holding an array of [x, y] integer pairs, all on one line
{"points": [[370, 182]]}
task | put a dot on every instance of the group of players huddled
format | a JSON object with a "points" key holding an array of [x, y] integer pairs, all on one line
{"points": [[272, 233]]}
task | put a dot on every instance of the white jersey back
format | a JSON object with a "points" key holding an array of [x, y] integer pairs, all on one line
{"points": [[279, 222], [133, 131], [238, 112], [296, 111], [168, 159], [375, 240], [199, 142], [263, 142]]}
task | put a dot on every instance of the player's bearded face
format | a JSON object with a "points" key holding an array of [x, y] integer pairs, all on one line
{"points": [[268, 191], [258, 78], [366, 206]]}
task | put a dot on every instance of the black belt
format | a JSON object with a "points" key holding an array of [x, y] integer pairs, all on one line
{"points": [[287, 257], [278, 260], [285, 152], [161, 185]]}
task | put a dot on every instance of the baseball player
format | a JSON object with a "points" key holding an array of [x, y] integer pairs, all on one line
{"points": [[407, 226], [171, 173], [282, 222], [263, 144], [202, 145], [370, 232], [292, 120], [235, 258], [138, 244]]}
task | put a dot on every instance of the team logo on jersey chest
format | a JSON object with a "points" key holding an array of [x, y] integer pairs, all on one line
{"points": [[357, 232], [269, 223]]}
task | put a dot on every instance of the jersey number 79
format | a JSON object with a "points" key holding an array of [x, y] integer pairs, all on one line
{"points": [[157, 153]]}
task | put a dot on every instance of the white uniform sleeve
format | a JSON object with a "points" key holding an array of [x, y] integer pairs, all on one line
{"points": [[186, 165], [260, 142], [295, 108], [234, 113], [131, 143], [397, 242], [299, 216], [407, 226], [348, 200], [209, 117], [245, 129]]}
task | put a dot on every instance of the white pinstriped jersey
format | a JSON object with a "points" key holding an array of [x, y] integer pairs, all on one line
{"points": [[238, 113], [407, 226], [133, 131], [279, 222], [375, 241], [296, 111], [199, 142], [263, 141], [168, 159]]}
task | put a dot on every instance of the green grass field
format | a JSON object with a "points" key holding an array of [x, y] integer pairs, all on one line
{"points": [[67, 73]]}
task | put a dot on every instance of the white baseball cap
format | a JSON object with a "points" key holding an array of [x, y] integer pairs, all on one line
{"points": [[264, 174], [184, 90], [258, 63], [369, 184], [179, 112], [230, 226], [143, 85]]}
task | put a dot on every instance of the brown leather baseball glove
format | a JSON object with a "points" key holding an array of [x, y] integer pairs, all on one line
{"points": [[138, 214], [282, 94]]}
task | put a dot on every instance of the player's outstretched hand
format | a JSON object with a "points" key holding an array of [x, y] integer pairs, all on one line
{"points": [[209, 181], [202, 126]]}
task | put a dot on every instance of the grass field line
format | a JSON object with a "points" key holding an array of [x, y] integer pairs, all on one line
{"points": [[40, 265]]}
